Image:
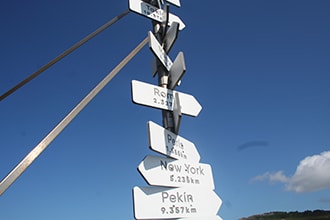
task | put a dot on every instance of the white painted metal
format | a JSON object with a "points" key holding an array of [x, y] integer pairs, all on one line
{"points": [[153, 12], [167, 143], [160, 171], [173, 18], [177, 70], [159, 52], [169, 40], [164, 203], [158, 97], [174, 2], [171, 36]]}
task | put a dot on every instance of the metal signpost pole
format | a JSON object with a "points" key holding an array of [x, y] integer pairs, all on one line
{"points": [[163, 74]]}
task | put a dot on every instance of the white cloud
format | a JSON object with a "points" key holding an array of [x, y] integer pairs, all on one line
{"points": [[312, 174], [272, 177]]}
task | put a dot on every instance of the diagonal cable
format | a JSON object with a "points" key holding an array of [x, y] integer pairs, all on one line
{"points": [[37, 150], [64, 54]]}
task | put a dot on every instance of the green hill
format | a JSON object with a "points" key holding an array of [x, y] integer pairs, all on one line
{"points": [[307, 215]]}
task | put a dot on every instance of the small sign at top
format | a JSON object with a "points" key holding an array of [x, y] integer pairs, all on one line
{"points": [[175, 2], [154, 13]]}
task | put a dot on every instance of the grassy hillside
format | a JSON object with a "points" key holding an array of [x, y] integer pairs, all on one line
{"points": [[307, 215]]}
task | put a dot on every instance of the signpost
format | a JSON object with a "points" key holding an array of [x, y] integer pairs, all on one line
{"points": [[163, 202], [166, 142], [154, 13], [158, 97], [194, 198], [160, 171], [181, 187]]}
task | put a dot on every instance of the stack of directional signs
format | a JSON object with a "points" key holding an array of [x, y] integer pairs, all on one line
{"points": [[180, 186]]}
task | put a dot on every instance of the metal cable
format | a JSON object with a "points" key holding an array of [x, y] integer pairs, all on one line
{"points": [[64, 54], [28, 160]]}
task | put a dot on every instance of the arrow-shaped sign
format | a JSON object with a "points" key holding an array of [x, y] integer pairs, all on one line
{"points": [[160, 171], [178, 69], [175, 2], [164, 203], [169, 39], [158, 97], [153, 12], [171, 36], [166, 142], [159, 52]]}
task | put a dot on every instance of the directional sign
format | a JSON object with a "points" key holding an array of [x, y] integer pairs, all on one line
{"points": [[162, 202], [174, 2], [153, 12], [158, 97], [177, 70], [166, 142], [159, 52], [169, 39], [160, 171], [171, 36]]}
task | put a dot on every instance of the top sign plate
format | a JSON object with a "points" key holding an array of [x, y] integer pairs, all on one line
{"points": [[153, 12]]}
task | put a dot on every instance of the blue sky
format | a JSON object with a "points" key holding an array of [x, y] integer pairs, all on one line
{"points": [[260, 70]]}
